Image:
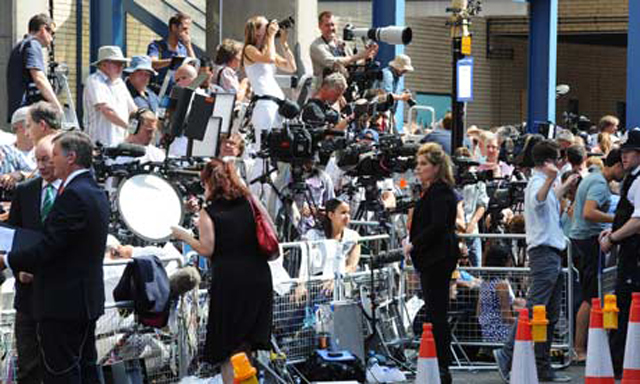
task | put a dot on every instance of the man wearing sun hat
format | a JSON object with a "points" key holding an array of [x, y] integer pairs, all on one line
{"points": [[140, 73], [107, 101], [392, 74]]}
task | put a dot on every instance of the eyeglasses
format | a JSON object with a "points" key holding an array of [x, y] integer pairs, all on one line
{"points": [[50, 30]]}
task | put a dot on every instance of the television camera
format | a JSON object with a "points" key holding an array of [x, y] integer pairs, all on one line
{"points": [[390, 155]]}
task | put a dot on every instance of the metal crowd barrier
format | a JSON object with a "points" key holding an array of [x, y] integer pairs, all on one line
{"points": [[473, 331], [155, 354]]}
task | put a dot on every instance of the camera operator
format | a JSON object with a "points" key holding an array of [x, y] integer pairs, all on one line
{"points": [[143, 125], [391, 76], [626, 233], [27, 80], [545, 243], [176, 44], [327, 49], [260, 61], [319, 110]]}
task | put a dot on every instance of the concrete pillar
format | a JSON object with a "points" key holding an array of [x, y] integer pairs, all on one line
{"points": [[236, 12], [543, 41], [633, 71], [390, 12]]}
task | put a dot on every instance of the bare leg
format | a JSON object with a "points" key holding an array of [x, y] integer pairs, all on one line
{"points": [[582, 327]]}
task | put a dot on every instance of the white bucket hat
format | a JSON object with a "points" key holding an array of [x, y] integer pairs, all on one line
{"points": [[401, 63], [110, 52]]}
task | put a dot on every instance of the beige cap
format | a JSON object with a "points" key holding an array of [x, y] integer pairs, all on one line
{"points": [[401, 63], [110, 52]]}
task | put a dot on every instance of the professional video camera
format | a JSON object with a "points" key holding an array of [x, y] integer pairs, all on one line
{"points": [[465, 176], [576, 123], [391, 35], [362, 77], [296, 143], [505, 194], [364, 107], [390, 156], [104, 165]]}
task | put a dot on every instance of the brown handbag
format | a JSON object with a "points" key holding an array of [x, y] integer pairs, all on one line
{"points": [[268, 243]]}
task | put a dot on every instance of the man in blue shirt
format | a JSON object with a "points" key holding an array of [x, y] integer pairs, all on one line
{"points": [[26, 73], [140, 73], [545, 243], [391, 76], [177, 44], [590, 215]]}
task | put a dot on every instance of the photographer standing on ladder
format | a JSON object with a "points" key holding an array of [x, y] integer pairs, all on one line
{"points": [[26, 74], [328, 50]]}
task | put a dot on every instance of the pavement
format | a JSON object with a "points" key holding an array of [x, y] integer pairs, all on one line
{"points": [[492, 376]]}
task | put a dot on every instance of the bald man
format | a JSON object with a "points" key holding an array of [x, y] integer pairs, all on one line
{"points": [[185, 75], [30, 206]]}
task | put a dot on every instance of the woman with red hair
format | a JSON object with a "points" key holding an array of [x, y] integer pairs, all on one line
{"points": [[241, 292]]}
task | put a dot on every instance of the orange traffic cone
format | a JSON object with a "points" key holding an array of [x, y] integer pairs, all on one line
{"points": [[428, 371], [599, 368], [631, 366], [523, 367]]}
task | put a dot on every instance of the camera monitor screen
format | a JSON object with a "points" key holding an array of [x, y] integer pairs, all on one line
{"points": [[218, 124]]}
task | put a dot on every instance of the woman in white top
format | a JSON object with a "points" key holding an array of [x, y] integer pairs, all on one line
{"points": [[342, 255], [260, 60]]}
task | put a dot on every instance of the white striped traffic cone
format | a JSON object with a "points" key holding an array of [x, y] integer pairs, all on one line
{"points": [[631, 366], [523, 367], [428, 371], [599, 368]]}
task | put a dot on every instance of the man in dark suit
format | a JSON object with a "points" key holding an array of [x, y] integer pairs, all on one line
{"points": [[68, 287], [32, 202]]}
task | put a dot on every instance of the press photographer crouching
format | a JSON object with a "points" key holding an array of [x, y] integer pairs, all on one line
{"points": [[433, 245]]}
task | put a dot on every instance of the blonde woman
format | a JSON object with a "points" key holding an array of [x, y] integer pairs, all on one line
{"points": [[260, 61], [433, 243]]}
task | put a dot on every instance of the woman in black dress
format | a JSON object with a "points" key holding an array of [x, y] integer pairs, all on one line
{"points": [[241, 293], [433, 244]]}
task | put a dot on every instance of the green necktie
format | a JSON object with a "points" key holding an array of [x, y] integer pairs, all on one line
{"points": [[47, 203]]}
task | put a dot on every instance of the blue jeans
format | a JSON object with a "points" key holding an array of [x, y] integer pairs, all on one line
{"points": [[545, 288], [475, 251]]}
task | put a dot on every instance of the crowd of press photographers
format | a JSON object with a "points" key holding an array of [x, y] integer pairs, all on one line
{"points": [[574, 183]]}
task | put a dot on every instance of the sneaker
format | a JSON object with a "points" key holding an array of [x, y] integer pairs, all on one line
{"points": [[502, 365], [554, 377]]}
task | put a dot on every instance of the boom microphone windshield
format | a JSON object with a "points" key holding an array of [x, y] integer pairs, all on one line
{"points": [[391, 35]]}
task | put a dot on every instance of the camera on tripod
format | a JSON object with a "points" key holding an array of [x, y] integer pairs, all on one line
{"points": [[392, 155], [465, 176], [295, 143], [362, 77]]}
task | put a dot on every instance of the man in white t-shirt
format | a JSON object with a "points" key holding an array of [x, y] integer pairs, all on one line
{"points": [[107, 101]]}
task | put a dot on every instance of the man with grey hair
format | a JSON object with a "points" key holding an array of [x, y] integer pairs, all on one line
{"points": [[18, 159], [68, 287], [107, 101], [320, 109]]}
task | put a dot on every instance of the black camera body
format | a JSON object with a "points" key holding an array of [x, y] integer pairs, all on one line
{"points": [[297, 143], [287, 23], [390, 156]]}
